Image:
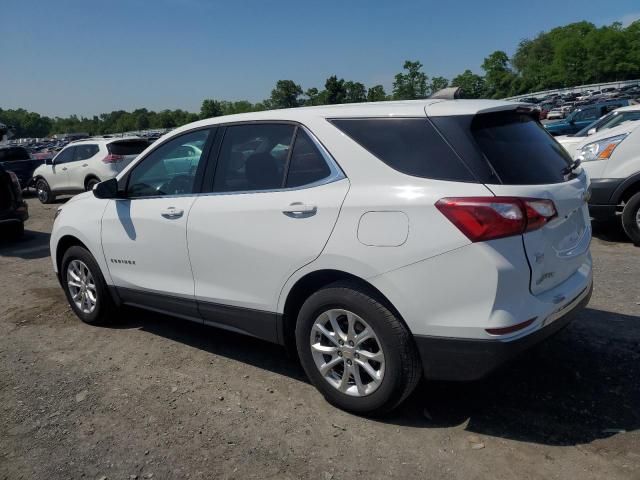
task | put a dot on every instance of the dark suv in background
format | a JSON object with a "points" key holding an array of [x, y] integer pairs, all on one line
{"points": [[13, 209], [19, 161]]}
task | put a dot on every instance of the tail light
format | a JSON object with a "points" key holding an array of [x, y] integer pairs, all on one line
{"points": [[488, 218], [112, 158]]}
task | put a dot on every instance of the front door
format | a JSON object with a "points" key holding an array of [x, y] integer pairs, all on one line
{"points": [[275, 199], [59, 176], [144, 234]]}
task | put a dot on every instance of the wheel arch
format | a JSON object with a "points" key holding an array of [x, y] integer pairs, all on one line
{"points": [[310, 283], [627, 189], [90, 176], [64, 244]]}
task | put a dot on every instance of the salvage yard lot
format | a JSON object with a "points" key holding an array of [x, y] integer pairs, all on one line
{"points": [[159, 397]]}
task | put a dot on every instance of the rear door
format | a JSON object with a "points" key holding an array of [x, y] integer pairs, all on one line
{"points": [[77, 169], [528, 162], [275, 198]]}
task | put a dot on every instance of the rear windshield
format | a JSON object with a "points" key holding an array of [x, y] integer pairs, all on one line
{"points": [[409, 145], [13, 153], [127, 147], [519, 149]]}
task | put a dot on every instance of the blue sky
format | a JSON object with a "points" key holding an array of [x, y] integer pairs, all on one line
{"points": [[86, 57]]}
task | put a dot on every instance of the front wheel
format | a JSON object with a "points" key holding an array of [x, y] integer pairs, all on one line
{"points": [[85, 287], [355, 351], [631, 218], [44, 191]]}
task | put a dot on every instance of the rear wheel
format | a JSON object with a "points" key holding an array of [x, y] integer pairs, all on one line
{"points": [[90, 183], [85, 287], [44, 191], [631, 218], [356, 352]]}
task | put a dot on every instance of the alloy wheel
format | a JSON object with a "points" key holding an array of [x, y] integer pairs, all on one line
{"points": [[82, 286], [347, 352]]}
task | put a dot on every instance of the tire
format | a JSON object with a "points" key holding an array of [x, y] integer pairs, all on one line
{"points": [[45, 195], [89, 184], [397, 374], [631, 218], [102, 311]]}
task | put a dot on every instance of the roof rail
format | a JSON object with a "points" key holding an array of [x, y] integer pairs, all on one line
{"points": [[449, 93]]}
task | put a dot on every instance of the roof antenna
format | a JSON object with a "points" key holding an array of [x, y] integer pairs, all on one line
{"points": [[449, 93]]}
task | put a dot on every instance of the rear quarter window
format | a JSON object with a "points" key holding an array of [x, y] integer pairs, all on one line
{"points": [[519, 149], [409, 145], [129, 147]]}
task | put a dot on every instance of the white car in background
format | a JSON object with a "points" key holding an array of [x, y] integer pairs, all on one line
{"points": [[611, 157], [79, 166], [383, 241], [612, 119]]}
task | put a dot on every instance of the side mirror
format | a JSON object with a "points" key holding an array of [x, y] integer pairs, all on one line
{"points": [[591, 131], [48, 161], [106, 189]]}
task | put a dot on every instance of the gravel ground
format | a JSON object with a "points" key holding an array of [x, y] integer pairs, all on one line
{"points": [[157, 397]]}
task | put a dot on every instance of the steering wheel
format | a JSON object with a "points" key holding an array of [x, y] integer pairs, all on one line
{"points": [[179, 184]]}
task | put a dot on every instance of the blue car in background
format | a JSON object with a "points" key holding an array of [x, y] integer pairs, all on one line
{"points": [[583, 116]]}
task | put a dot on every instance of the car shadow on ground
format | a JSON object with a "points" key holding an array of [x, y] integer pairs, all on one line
{"points": [[611, 231], [31, 245], [578, 387]]}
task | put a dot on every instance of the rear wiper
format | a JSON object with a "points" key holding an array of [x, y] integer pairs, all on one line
{"points": [[571, 167]]}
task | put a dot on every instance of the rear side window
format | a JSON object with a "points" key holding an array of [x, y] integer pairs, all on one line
{"points": [[306, 165], [409, 145], [519, 149], [12, 154], [129, 147]]}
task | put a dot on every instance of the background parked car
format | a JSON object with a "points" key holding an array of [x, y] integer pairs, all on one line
{"points": [[582, 117], [13, 209], [20, 162], [81, 165]]}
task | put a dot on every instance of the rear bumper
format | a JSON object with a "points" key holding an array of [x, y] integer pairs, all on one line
{"points": [[457, 359]]}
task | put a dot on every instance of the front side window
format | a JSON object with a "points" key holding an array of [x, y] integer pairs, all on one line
{"points": [[84, 152], [170, 169], [65, 156], [253, 157], [589, 114]]}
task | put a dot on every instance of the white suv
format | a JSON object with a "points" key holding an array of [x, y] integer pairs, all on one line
{"points": [[383, 241], [81, 165]]}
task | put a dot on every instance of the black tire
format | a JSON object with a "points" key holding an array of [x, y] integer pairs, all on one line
{"points": [[403, 369], [105, 307], [43, 191], [89, 184], [631, 218]]}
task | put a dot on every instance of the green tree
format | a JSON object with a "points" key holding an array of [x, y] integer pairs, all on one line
{"points": [[438, 83], [335, 89], [286, 94], [412, 84], [376, 94], [472, 85], [211, 108], [312, 95], [498, 75], [356, 92]]}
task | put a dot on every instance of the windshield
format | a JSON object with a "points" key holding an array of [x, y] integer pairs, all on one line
{"points": [[610, 120]]}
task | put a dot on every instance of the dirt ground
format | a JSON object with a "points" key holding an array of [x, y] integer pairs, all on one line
{"points": [[157, 397]]}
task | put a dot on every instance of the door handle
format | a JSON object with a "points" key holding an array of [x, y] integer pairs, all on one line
{"points": [[172, 213], [85, 164], [300, 210], [64, 168]]}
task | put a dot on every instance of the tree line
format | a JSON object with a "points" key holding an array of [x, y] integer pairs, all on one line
{"points": [[574, 54]]}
